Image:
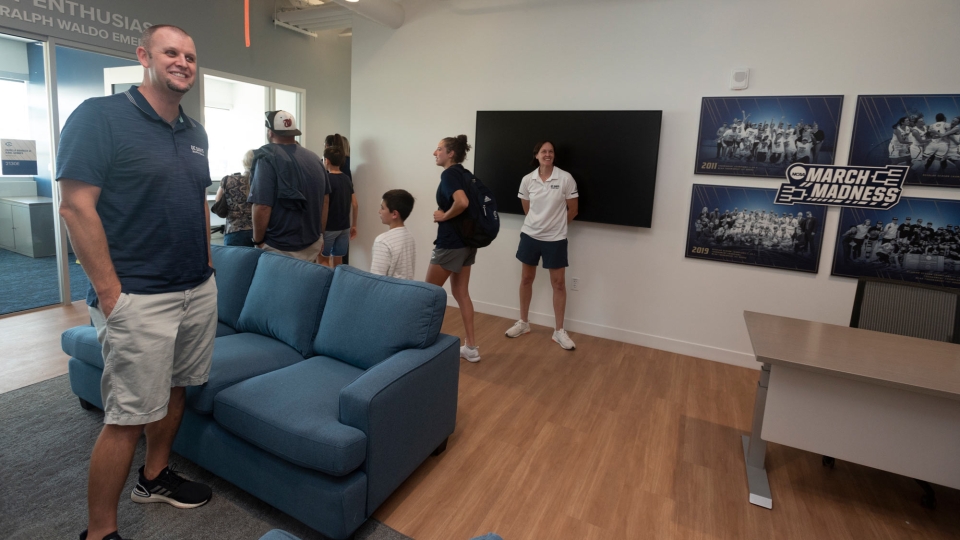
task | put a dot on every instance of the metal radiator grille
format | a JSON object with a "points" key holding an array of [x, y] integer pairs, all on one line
{"points": [[908, 311]]}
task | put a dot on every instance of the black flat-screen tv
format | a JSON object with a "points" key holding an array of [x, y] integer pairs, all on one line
{"points": [[612, 155]]}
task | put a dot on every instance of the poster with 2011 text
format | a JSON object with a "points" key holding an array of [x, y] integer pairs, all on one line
{"points": [[762, 136]]}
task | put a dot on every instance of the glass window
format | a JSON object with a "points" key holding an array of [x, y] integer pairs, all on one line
{"points": [[14, 116], [233, 117]]}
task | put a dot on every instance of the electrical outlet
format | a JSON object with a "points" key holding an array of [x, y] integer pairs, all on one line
{"points": [[575, 284]]}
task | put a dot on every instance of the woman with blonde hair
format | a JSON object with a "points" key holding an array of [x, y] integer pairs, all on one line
{"points": [[235, 188]]}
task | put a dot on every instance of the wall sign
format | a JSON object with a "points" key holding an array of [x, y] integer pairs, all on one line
{"points": [[18, 157], [107, 23], [854, 187]]}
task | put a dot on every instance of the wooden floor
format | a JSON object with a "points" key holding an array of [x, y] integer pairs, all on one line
{"points": [[30, 344], [620, 441], [608, 441]]}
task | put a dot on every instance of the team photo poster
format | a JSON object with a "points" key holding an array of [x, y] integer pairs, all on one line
{"points": [[918, 241], [762, 136], [920, 131], [744, 226]]}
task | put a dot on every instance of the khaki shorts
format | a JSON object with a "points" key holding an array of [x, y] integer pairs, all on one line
{"points": [[308, 253], [453, 260], [151, 343]]}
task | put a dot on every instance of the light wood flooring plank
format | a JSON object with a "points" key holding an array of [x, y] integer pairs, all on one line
{"points": [[30, 344], [619, 441]]}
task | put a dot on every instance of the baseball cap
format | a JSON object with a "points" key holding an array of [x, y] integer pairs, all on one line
{"points": [[282, 123]]}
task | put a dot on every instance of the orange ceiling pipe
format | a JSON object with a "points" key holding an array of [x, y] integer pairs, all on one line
{"points": [[246, 21]]}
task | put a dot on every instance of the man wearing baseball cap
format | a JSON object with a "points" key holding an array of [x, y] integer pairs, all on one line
{"points": [[290, 192]]}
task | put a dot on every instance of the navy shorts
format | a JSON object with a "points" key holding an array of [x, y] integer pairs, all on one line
{"points": [[554, 253]]}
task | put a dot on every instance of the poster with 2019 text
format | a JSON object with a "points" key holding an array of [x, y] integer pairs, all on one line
{"points": [[744, 226]]}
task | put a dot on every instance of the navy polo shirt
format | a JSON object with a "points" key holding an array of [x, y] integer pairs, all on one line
{"points": [[153, 178], [451, 180]]}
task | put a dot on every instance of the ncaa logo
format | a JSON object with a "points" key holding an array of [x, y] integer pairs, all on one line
{"points": [[797, 172]]}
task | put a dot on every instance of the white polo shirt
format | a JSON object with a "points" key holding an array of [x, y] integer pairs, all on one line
{"points": [[547, 218]]}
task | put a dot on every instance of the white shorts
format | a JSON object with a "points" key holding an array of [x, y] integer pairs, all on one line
{"points": [[898, 150], [936, 149], [151, 343]]}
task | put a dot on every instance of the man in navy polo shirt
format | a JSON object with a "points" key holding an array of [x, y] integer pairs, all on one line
{"points": [[133, 173]]}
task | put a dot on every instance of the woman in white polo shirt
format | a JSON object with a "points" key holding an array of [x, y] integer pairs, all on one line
{"points": [[549, 199]]}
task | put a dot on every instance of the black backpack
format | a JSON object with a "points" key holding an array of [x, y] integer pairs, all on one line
{"points": [[479, 224]]}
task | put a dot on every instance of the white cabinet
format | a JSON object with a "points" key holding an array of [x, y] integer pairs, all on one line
{"points": [[27, 226]]}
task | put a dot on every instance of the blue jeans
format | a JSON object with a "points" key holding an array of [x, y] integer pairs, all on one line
{"points": [[239, 238]]}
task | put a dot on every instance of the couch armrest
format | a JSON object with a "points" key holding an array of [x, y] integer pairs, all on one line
{"points": [[407, 406]]}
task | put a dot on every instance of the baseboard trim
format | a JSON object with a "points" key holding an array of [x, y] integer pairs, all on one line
{"points": [[687, 348]]}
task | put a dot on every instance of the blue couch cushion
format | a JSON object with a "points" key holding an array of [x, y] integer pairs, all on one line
{"points": [[277, 534], [286, 300], [224, 330], [81, 343], [236, 358], [235, 267], [401, 314], [293, 413]]}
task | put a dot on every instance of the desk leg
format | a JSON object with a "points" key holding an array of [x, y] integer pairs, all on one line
{"points": [[755, 448]]}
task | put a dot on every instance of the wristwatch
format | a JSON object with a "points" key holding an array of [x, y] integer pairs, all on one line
{"points": [[255, 243]]}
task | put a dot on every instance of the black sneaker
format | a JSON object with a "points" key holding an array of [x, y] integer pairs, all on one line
{"points": [[171, 488], [115, 535]]}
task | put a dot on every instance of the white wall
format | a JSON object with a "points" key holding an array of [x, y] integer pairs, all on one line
{"points": [[425, 81]]}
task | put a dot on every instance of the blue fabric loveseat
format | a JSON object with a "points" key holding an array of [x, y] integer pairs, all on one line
{"points": [[327, 389]]}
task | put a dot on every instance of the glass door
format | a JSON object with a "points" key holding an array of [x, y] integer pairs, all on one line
{"points": [[233, 117], [28, 265]]}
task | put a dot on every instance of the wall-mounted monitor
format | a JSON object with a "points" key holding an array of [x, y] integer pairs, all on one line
{"points": [[612, 155]]}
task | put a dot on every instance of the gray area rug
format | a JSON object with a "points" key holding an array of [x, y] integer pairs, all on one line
{"points": [[45, 444]]}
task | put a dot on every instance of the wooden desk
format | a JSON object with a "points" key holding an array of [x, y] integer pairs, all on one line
{"points": [[882, 400]]}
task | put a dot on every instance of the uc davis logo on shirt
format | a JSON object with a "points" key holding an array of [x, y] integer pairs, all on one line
{"points": [[853, 187], [197, 150]]}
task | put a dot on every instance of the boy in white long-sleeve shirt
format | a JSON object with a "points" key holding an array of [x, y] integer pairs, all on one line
{"points": [[394, 252]]}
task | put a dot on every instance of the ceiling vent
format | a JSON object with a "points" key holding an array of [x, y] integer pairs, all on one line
{"points": [[310, 16]]}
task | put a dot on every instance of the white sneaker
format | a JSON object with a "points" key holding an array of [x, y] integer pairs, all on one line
{"points": [[470, 355], [518, 329], [561, 337]]}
